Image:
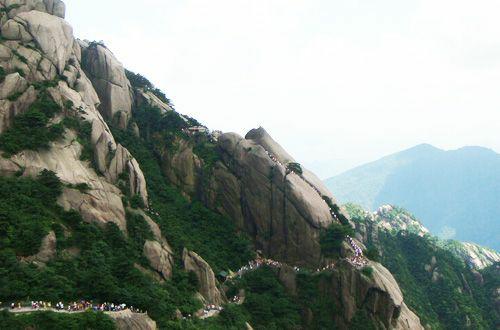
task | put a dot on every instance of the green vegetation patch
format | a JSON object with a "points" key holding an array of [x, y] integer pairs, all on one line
{"points": [[31, 130], [139, 81], [56, 321], [331, 239], [266, 301], [24, 217], [295, 167], [185, 224]]}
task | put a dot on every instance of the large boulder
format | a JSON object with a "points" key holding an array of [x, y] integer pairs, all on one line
{"points": [[53, 35], [53, 7], [12, 84], [47, 250], [160, 257], [126, 320], [147, 98], [100, 204], [377, 296], [109, 80], [206, 277], [282, 211]]}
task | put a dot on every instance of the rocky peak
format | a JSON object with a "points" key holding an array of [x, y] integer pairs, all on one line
{"points": [[397, 219], [39, 53], [52, 7], [206, 277], [110, 81]]}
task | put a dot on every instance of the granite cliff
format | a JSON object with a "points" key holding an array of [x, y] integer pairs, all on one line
{"points": [[252, 181]]}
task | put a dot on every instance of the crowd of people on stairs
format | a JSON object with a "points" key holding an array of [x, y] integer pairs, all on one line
{"points": [[276, 160], [72, 307], [358, 259]]}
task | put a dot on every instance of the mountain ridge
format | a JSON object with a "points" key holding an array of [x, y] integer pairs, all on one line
{"points": [[113, 200], [445, 189]]}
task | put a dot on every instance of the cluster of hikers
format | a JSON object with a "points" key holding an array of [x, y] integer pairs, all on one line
{"points": [[213, 136], [209, 310], [330, 266], [273, 158], [75, 306], [358, 260], [257, 263]]}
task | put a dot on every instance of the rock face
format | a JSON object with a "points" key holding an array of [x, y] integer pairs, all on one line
{"points": [[378, 296], [394, 219], [53, 35], [47, 250], [53, 7], [157, 251], [160, 257], [108, 77], [475, 256], [142, 98], [40, 47], [283, 211], [126, 320], [206, 278]]}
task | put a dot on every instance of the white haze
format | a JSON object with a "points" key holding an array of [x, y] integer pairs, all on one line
{"points": [[337, 83]]}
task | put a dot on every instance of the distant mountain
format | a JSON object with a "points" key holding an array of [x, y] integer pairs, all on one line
{"points": [[456, 194]]}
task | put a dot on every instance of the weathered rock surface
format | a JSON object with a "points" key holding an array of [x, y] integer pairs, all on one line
{"points": [[53, 35], [183, 168], [13, 84], [378, 296], [160, 257], [392, 219], [53, 7], [101, 204], [142, 98], [206, 277], [47, 250], [109, 80], [388, 217], [475, 256], [52, 50], [281, 210], [126, 320]]}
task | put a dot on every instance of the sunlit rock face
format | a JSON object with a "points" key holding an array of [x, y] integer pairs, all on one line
{"points": [[109, 80], [39, 47]]}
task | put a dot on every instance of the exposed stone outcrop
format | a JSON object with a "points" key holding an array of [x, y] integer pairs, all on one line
{"points": [[160, 257], [206, 278], [108, 77], [126, 320], [157, 251], [378, 296], [392, 219], [183, 168], [475, 256], [142, 98], [282, 211], [13, 84], [47, 250], [41, 46], [101, 204], [53, 7]]}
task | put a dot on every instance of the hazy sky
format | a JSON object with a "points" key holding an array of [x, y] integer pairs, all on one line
{"points": [[337, 83]]}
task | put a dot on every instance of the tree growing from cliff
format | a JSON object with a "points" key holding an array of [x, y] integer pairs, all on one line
{"points": [[331, 239]]}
